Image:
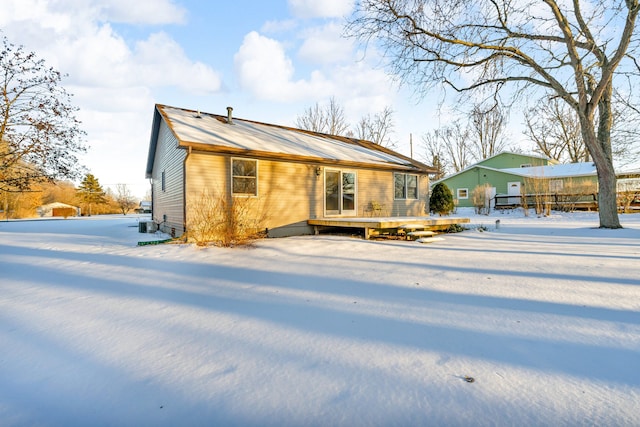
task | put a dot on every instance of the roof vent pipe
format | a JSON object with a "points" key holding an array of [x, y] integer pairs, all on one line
{"points": [[229, 116]]}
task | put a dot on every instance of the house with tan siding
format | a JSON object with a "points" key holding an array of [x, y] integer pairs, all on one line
{"points": [[287, 175]]}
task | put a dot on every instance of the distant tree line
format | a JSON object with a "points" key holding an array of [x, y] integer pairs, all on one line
{"points": [[89, 196], [330, 119]]}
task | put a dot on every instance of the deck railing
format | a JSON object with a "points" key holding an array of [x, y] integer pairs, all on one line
{"points": [[557, 201], [627, 201]]}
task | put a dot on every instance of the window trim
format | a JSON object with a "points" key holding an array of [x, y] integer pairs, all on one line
{"points": [[234, 176], [405, 193], [459, 197], [163, 182]]}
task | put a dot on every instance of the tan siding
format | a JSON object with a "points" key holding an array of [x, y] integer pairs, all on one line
{"points": [[288, 193], [206, 171], [168, 159], [379, 186], [206, 175], [375, 186], [291, 193]]}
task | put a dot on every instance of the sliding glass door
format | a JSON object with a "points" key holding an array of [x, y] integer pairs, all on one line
{"points": [[340, 193]]}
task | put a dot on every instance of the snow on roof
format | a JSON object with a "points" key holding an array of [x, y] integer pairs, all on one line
{"points": [[502, 153], [56, 205], [555, 171], [630, 171], [214, 130], [550, 171]]}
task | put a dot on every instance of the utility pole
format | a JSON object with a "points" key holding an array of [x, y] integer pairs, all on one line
{"points": [[411, 144]]}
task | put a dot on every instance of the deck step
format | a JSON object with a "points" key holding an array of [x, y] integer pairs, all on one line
{"points": [[416, 226], [429, 239], [423, 233]]}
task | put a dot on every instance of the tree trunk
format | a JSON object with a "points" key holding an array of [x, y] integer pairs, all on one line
{"points": [[600, 149], [608, 192], [607, 200]]}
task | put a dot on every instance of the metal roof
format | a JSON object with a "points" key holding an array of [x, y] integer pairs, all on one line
{"points": [[211, 132]]}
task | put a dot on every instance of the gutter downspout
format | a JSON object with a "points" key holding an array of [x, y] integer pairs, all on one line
{"points": [[184, 191], [152, 196]]}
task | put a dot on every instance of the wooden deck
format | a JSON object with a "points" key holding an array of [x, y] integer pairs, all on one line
{"points": [[377, 225]]}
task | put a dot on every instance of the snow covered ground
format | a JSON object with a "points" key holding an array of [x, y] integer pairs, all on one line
{"points": [[542, 313]]}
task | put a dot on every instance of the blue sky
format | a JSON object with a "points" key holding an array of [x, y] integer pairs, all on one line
{"points": [[269, 60]]}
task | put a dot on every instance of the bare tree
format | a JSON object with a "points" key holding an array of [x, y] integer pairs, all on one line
{"points": [[39, 133], [625, 134], [554, 128], [336, 122], [569, 49], [329, 119], [59, 191], [454, 147], [312, 119], [124, 199], [487, 125], [377, 128], [450, 146], [435, 154]]}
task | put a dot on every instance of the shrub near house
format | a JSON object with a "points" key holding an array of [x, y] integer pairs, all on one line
{"points": [[441, 200]]}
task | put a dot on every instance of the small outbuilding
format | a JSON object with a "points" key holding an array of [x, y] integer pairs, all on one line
{"points": [[144, 207], [58, 210]]}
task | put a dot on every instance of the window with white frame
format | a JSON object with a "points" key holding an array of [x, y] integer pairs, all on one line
{"points": [[462, 193], [405, 186], [163, 182], [244, 177], [556, 185]]}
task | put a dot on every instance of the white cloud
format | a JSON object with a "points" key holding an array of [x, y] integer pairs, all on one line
{"points": [[114, 81], [78, 43], [325, 45], [161, 61], [142, 11], [19, 11], [365, 90], [73, 15], [129, 98], [117, 156], [271, 27], [96, 58], [103, 59], [152, 12], [320, 9], [266, 71]]}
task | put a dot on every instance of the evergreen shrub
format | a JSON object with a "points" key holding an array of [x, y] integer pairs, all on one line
{"points": [[441, 200]]}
